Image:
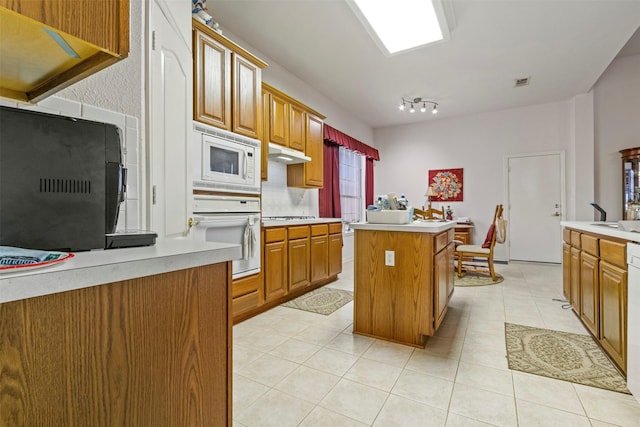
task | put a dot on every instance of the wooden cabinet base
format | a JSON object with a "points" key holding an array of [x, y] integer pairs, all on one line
{"points": [[395, 301], [269, 304], [153, 351]]}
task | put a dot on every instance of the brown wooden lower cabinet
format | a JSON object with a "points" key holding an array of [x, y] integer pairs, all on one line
{"points": [[152, 351], [319, 252], [595, 277], [613, 316], [335, 249], [589, 293], [296, 259]]}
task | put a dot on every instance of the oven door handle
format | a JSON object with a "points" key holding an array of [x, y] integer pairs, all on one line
{"points": [[221, 221]]}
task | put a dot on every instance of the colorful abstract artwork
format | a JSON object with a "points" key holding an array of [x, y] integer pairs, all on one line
{"points": [[447, 184]]}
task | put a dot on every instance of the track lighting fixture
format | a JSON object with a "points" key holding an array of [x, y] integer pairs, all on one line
{"points": [[418, 101]]}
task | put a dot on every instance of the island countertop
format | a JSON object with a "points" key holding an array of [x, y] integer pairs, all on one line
{"points": [[418, 226], [609, 229], [99, 267]]}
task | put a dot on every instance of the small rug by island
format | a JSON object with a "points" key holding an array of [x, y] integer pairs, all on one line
{"points": [[322, 300], [474, 278], [561, 355]]}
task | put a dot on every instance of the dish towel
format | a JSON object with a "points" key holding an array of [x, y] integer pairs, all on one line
{"points": [[249, 243]]}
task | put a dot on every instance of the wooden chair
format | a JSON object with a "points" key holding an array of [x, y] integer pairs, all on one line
{"points": [[429, 213], [481, 251]]}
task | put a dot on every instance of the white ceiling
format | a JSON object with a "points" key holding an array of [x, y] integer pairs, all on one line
{"points": [[562, 45]]}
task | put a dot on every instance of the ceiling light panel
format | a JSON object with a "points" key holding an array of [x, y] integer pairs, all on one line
{"points": [[401, 25]]}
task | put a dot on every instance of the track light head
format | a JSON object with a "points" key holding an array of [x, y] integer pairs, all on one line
{"points": [[418, 101]]}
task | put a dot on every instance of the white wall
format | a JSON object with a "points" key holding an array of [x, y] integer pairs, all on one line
{"points": [[476, 143], [617, 126]]}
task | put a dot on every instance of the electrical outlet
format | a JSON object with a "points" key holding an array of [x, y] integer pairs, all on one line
{"points": [[389, 258]]}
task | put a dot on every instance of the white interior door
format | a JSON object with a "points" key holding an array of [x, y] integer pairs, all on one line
{"points": [[535, 206]]}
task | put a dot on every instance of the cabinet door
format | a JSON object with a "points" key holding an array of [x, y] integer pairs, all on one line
{"points": [[451, 255], [589, 295], [278, 120], [297, 127], [613, 312], [575, 280], [566, 271], [298, 263], [314, 148], [212, 71], [275, 270], [335, 254], [319, 258], [440, 287], [170, 105], [247, 81]]}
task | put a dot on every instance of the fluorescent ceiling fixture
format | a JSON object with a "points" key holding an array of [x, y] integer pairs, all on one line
{"points": [[402, 24]]}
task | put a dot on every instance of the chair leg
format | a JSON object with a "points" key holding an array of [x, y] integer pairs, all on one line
{"points": [[459, 265], [491, 270]]}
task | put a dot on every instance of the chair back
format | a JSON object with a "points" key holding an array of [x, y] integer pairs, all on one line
{"points": [[492, 232], [429, 213]]}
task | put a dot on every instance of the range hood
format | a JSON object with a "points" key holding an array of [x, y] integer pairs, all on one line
{"points": [[286, 155]]}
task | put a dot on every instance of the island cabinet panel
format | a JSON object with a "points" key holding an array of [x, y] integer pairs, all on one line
{"points": [[152, 351], [575, 265], [394, 302]]}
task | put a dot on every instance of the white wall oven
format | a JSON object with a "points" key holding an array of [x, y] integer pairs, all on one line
{"points": [[225, 161], [230, 219]]}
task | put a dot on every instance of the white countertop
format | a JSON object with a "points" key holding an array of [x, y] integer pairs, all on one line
{"points": [[309, 221], [417, 226], [605, 230], [98, 267]]}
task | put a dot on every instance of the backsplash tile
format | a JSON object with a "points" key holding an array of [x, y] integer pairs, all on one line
{"points": [[129, 217], [280, 200]]}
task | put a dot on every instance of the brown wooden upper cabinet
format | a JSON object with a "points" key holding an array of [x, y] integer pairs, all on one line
{"points": [[310, 174], [290, 123], [49, 45], [227, 83]]}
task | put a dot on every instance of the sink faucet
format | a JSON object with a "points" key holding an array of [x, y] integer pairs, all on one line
{"points": [[603, 214]]}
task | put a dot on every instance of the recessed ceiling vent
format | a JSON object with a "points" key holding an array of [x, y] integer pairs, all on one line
{"points": [[524, 81]]}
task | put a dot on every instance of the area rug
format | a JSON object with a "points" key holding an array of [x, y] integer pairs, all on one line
{"points": [[322, 300], [473, 278], [561, 355]]}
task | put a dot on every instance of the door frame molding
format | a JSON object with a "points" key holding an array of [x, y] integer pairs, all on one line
{"points": [[563, 193]]}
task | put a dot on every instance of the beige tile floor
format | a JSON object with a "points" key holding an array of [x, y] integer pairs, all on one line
{"points": [[295, 368]]}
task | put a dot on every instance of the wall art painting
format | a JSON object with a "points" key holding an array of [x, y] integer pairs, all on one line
{"points": [[448, 184]]}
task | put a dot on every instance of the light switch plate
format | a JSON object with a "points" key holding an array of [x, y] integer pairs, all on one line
{"points": [[389, 258]]}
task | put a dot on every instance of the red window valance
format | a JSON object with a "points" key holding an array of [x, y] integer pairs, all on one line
{"points": [[337, 137]]}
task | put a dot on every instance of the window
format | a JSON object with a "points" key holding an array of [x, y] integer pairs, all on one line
{"points": [[351, 192]]}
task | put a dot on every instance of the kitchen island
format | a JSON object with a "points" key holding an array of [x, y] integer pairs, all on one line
{"points": [[403, 279], [136, 336]]}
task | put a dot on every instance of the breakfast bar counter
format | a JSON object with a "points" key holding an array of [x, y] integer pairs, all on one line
{"points": [[136, 336], [403, 279]]}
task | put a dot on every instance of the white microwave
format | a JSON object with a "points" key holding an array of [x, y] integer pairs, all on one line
{"points": [[225, 161]]}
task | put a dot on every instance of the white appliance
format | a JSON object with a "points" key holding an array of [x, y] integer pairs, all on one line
{"points": [[230, 219], [633, 319], [225, 161]]}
